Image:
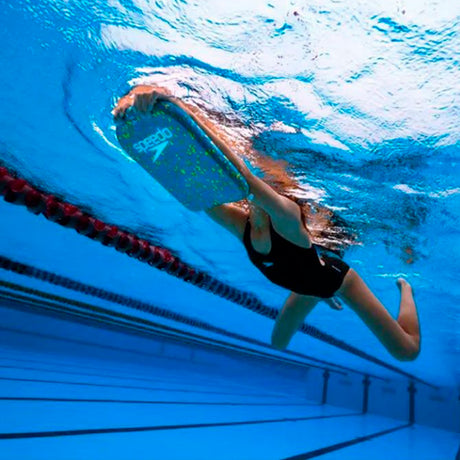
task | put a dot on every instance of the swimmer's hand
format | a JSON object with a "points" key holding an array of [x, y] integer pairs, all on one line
{"points": [[334, 303], [142, 98]]}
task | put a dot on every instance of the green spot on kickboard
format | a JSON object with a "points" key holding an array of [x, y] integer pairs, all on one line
{"points": [[177, 153]]}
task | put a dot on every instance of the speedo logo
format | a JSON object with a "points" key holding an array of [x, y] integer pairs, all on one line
{"points": [[155, 143]]}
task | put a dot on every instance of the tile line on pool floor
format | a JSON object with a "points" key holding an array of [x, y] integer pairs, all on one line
{"points": [[132, 371], [58, 433], [343, 445], [141, 401], [161, 329], [130, 387], [228, 385]]}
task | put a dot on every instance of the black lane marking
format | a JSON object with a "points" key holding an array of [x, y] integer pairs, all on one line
{"points": [[85, 374], [342, 445], [96, 345], [168, 330], [141, 401], [140, 379], [195, 381], [130, 387], [111, 376], [73, 365], [50, 434]]}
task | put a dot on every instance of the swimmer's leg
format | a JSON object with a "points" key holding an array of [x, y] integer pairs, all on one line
{"points": [[402, 337], [291, 317]]}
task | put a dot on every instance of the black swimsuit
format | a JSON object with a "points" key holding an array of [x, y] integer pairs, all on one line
{"points": [[296, 268]]}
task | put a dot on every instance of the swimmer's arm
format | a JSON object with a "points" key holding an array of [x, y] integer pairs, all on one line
{"points": [[284, 213], [231, 217]]}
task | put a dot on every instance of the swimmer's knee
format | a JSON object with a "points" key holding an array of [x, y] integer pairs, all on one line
{"points": [[278, 346], [413, 350], [409, 352], [278, 343], [406, 356]]}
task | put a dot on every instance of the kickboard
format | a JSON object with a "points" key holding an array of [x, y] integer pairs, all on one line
{"points": [[177, 153]]}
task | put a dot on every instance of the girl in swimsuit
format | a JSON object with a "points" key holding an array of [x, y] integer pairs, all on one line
{"points": [[279, 245]]}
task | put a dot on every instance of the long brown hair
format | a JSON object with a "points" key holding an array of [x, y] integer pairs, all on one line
{"points": [[324, 226]]}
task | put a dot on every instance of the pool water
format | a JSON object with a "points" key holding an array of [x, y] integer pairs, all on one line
{"points": [[353, 107]]}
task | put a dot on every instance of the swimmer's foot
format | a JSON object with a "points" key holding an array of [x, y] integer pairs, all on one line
{"points": [[403, 284], [408, 317]]}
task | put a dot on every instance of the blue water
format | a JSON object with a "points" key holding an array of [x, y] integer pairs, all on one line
{"points": [[353, 106]]}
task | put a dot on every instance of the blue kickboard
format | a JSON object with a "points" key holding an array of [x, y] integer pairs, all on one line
{"points": [[177, 153]]}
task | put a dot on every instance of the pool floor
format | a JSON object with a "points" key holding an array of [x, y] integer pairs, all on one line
{"points": [[69, 390]]}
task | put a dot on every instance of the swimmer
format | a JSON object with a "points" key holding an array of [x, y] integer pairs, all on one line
{"points": [[279, 244]]}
